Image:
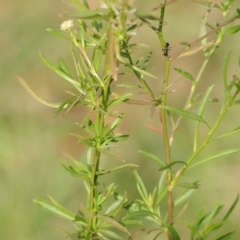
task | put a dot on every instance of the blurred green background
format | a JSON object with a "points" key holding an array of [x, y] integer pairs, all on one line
{"points": [[31, 133]]}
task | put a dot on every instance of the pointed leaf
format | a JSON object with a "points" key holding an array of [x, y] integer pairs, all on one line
{"points": [[233, 30], [210, 216], [140, 213], [116, 206], [189, 185], [225, 67], [226, 236], [141, 187], [79, 164], [65, 103], [171, 164], [151, 156], [235, 130], [162, 188], [64, 67], [185, 74], [173, 232], [117, 168], [128, 85], [140, 70], [114, 223], [183, 113], [61, 73], [107, 193], [119, 99], [197, 49], [110, 234], [112, 154], [231, 209], [202, 106], [221, 154], [184, 195], [116, 122], [59, 211], [33, 94]]}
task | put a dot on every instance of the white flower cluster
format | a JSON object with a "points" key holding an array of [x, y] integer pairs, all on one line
{"points": [[67, 25]]}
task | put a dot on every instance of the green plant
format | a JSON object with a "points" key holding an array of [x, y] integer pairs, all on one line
{"points": [[101, 46]]}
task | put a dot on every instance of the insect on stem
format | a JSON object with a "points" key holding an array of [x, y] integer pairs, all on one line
{"points": [[166, 50]]}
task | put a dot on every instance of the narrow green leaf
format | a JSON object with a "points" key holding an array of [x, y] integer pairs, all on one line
{"points": [[119, 99], [184, 195], [107, 193], [116, 206], [171, 164], [116, 122], [151, 156], [78, 68], [173, 232], [34, 95], [183, 113], [59, 211], [137, 102], [202, 106], [231, 208], [139, 70], [189, 185], [64, 67], [116, 137], [117, 168], [75, 172], [98, 59], [198, 218], [226, 236], [128, 85], [236, 102], [162, 188], [146, 16], [221, 154], [141, 187], [110, 234], [114, 223], [128, 222], [209, 217], [58, 33], [87, 130], [89, 141], [185, 74], [77, 163], [140, 213], [234, 131], [233, 30], [112, 154], [65, 103], [225, 66], [61, 73]]}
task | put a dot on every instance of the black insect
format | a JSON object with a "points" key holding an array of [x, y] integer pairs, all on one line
{"points": [[166, 50]]}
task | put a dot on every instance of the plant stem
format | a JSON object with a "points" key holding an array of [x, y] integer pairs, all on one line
{"points": [[163, 117], [93, 185], [204, 36], [207, 139]]}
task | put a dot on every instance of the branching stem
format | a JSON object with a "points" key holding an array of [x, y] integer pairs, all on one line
{"points": [[163, 117]]}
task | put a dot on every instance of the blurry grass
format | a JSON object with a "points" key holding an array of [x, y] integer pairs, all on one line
{"points": [[30, 132]]}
